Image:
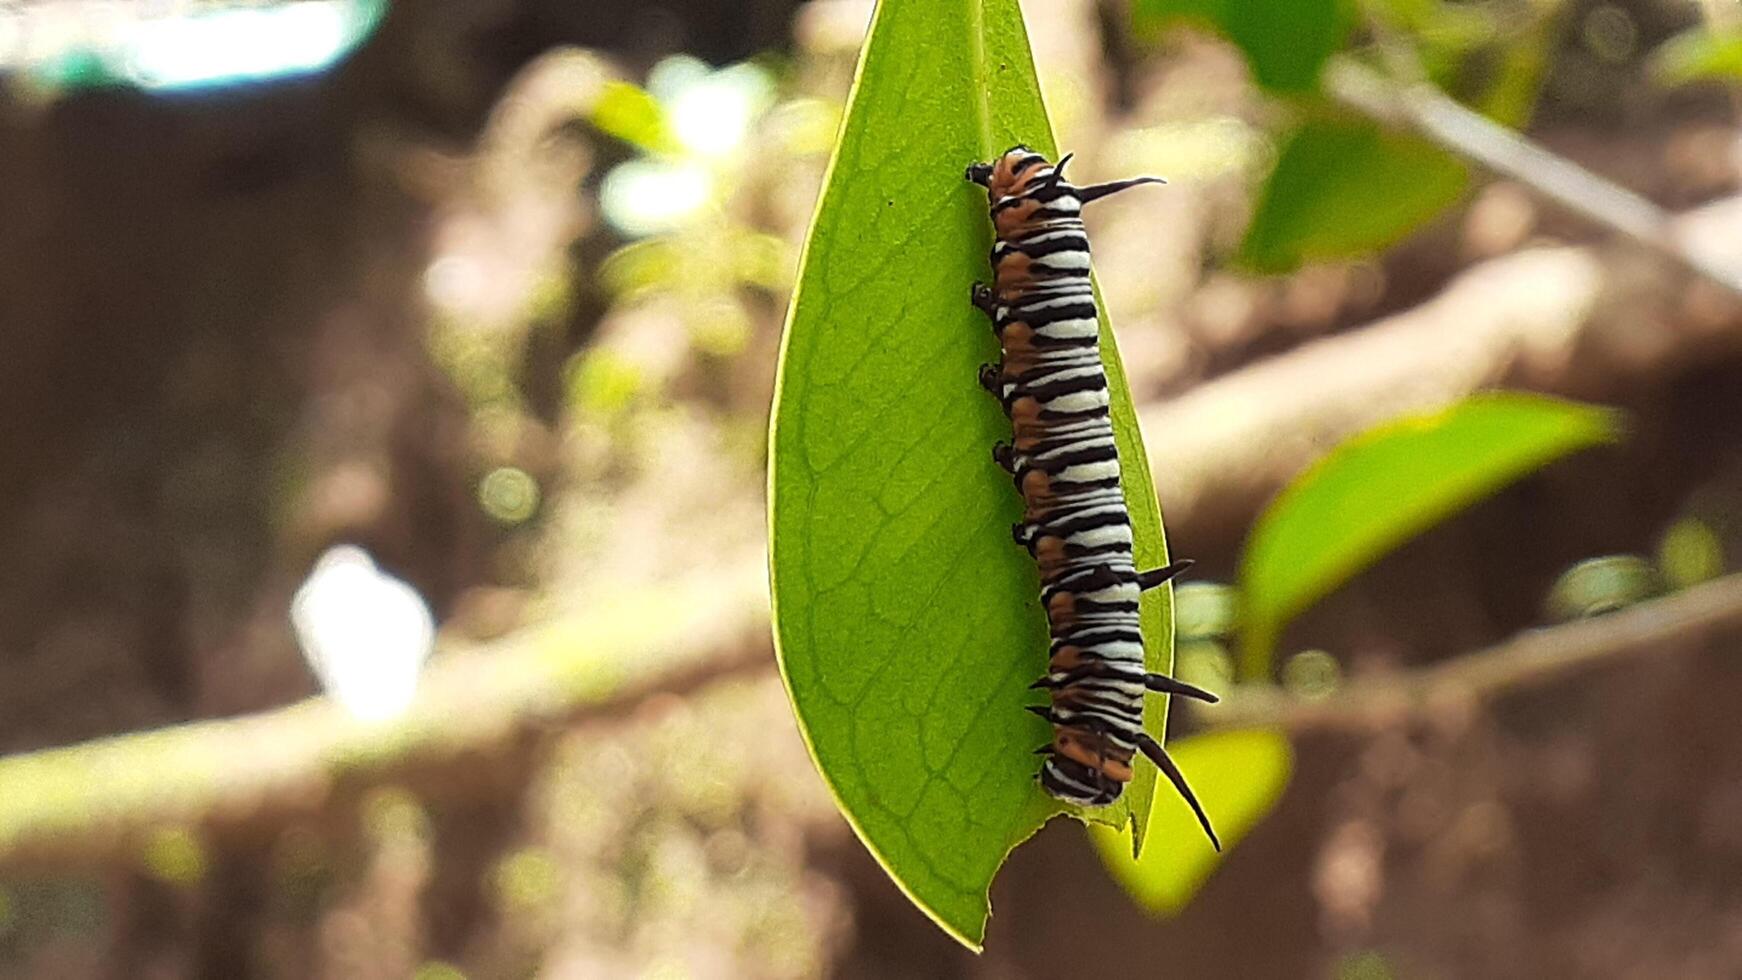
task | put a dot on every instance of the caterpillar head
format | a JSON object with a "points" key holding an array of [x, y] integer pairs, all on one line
{"points": [[1013, 171]]}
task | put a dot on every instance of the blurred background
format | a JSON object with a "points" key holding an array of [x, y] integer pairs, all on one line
{"points": [[493, 292]]}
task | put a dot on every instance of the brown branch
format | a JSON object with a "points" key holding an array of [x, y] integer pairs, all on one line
{"points": [[1676, 622], [1421, 106], [93, 800]]}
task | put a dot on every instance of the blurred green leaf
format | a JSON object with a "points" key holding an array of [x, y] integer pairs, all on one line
{"points": [[175, 856], [1491, 56], [1417, 17], [1238, 776], [1522, 66], [1689, 553], [1696, 56], [630, 113], [1345, 188], [1285, 42], [908, 624], [1385, 486], [602, 382]]}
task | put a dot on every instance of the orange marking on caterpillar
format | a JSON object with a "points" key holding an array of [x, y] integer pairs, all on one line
{"points": [[1061, 609], [1014, 277], [1049, 553], [1036, 490], [1094, 751]]}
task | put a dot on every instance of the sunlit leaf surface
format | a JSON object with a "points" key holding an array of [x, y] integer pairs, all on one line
{"points": [[908, 623], [1238, 777], [1384, 487]]}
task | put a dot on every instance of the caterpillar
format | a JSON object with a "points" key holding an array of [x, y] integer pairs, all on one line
{"points": [[1065, 464]]}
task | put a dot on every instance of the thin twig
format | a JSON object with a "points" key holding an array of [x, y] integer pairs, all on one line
{"points": [[1423, 107], [1676, 622]]}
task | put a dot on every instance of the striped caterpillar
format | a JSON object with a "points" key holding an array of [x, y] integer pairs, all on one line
{"points": [[1066, 466]]}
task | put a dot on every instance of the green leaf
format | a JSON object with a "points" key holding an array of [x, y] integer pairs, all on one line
{"points": [[1522, 67], [908, 624], [1346, 188], [630, 113], [1383, 487], [1238, 776], [1285, 42], [1690, 552], [1696, 56]]}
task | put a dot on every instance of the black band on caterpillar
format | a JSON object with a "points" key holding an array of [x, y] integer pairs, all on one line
{"points": [[1066, 466]]}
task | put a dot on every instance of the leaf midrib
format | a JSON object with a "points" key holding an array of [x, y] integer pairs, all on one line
{"points": [[977, 62]]}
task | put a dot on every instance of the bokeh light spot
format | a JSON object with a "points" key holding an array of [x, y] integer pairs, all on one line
{"points": [[528, 879], [1312, 674], [508, 494], [1610, 33], [174, 855], [244, 43], [1690, 553], [647, 197]]}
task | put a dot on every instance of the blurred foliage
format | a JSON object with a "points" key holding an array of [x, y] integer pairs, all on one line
{"points": [[675, 840], [697, 132], [1239, 776], [174, 855], [1382, 488], [1344, 188], [1366, 965], [884, 497], [1690, 552], [1205, 616], [1365, 498], [1699, 55], [590, 341], [630, 113], [1492, 54], [1285, 42]]}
